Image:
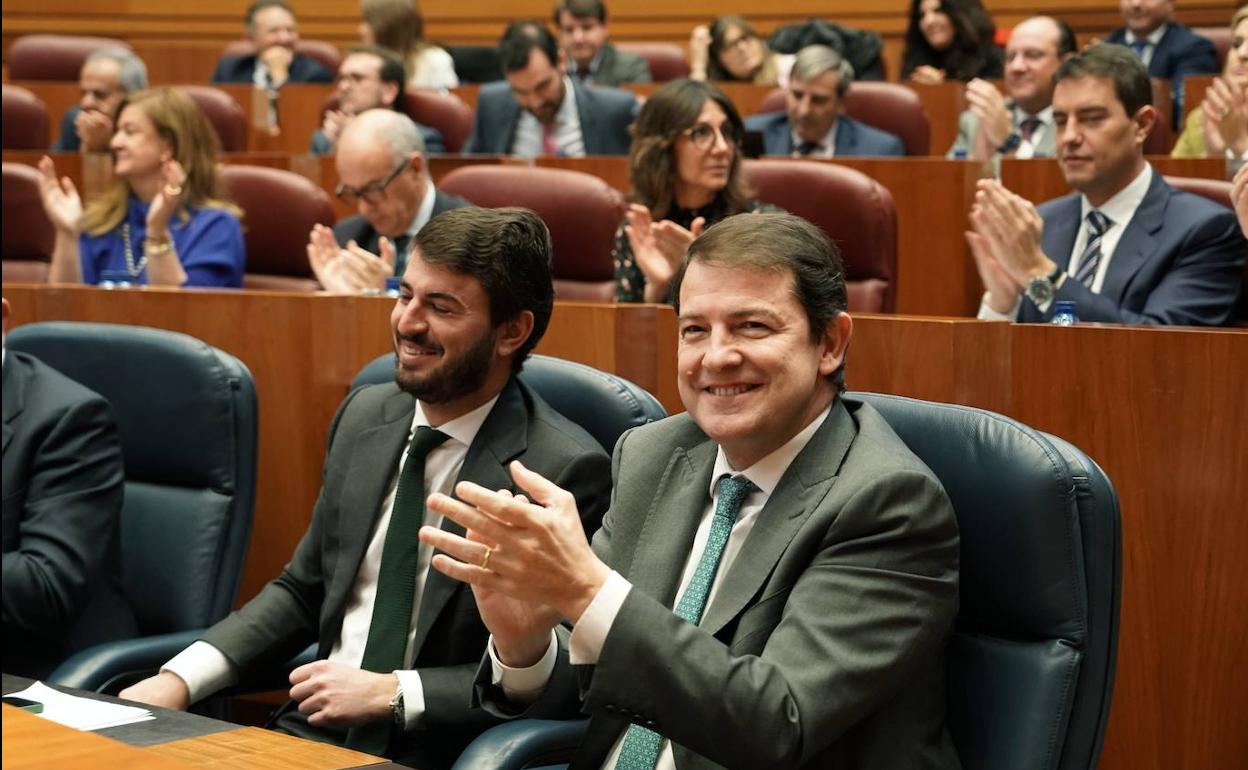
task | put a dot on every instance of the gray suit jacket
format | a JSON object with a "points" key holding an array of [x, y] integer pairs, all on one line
{"points": [[853, 137], [605, 113], [308, 600], [63, 487], [824, 645], [616, 67], [968, 127]]}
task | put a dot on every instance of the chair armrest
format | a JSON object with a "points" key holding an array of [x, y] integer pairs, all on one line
{"points": [[522, 743], [276, 678], [111, 666]]}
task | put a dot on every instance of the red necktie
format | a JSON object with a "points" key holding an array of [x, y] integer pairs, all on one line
{"points": [[549, 145]]}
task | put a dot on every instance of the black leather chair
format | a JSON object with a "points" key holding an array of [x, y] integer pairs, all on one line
{"points": [[1031, 662], [187, 416], [604, 404]]}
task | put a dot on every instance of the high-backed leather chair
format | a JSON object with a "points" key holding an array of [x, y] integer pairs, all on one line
{"points": [[1161, 139], [889, 107], [225, 115], [25, 119], [854, 210], [1221, 39], [1032, 658], [280, 207], [187, 417], [54, 57], [326, 53], [445, 112], [26, 233], [581, 211], [475, 63], [1218, 191], [667, 60]]}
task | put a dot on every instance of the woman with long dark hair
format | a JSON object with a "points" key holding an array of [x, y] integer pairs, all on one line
{"points": [[950, 40]]}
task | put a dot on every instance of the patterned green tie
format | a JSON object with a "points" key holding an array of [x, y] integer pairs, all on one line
{"points": [[640, 750], [396, 582]]}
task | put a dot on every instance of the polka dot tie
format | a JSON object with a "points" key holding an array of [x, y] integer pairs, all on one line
{"points": [[640, 750]]}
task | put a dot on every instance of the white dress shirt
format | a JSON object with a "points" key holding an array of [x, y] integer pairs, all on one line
{"points": [[1120, 209], [590, 632], [567, 127], [206, 670], [1027, 149], [826, 148]]}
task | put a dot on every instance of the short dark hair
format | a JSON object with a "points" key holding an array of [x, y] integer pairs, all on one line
{"points": [[780, 242], [250, 17], [519, 39], [392, 69], [1117, 63], [508, 251], [1066, 42], [582, 9]]}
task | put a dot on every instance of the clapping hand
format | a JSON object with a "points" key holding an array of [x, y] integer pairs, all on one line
{"points": [[60, 198], [658, 248], [167, 199]]}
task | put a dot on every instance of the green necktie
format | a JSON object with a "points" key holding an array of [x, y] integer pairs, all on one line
{"points": [[640, 750], [396, 582]]}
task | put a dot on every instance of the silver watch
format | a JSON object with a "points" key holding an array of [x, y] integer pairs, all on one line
{"points": [[1041, 289]]}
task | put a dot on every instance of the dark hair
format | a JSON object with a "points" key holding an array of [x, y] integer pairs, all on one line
{"points": [[508, 251], [719, 28], [582, 9], [1117, 63], [968, 55], [1066, 42], [391, 70], [519, 40], [779, 242], [652, 156], [250, 17]]}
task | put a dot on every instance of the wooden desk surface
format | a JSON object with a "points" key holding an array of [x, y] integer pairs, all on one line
{"points": [[30, 741], [260, 749]]}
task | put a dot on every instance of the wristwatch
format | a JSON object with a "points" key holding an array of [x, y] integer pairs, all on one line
{"points": [[1042, 288], [397, 708], [1010, 144]]}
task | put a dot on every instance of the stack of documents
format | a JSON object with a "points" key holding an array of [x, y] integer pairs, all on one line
{"points": [[82, 713]]}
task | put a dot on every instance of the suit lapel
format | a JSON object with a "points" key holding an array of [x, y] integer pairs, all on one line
{"points": [[846, 137], [14, 396], [779, 138], [799, 492], [1060, 229], [588, 117], [511, 120], [1137, 244], [502, 438]]}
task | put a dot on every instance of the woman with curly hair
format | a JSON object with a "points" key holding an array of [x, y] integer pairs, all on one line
{"points": [[950, 40]]}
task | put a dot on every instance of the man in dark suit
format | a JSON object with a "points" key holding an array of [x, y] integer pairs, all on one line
{"points": [[63, 480], [108, 75], [369, 77], [583, 34], [777, 576], [813, 126], [1170, 50], [476, 298], [273, 30], [539, 110], [1126, 248], [382, 172]]}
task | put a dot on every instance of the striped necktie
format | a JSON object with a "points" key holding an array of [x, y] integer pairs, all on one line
{"points": [[1098, 223], [640, 750]]}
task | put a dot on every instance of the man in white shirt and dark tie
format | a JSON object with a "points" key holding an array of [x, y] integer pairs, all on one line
{"points": [[1127, 247]]}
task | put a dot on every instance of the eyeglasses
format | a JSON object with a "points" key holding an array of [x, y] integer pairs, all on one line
{"points": [[736, 46], [703, 135], [373, 192]]}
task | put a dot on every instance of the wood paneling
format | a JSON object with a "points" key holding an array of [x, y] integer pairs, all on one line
{"points": [[258, 748], [1042, 180]]}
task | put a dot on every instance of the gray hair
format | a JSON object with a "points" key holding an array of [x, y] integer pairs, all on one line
{"points": [[133, 75], [393, 129], [814, 60]]}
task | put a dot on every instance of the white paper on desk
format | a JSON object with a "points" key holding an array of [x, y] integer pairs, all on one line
{"points": [[82, 713]]}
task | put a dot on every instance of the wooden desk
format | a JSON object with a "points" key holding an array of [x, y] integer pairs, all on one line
{"points": [[36, 743]]}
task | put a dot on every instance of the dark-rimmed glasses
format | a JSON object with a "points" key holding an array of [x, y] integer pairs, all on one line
{"points": [[373, 192], [703, 135]]}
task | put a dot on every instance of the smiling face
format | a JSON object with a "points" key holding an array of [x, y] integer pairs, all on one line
{"points": [[935, 24], [1237, 56], [1030, 60], [749, 373], [538, 86], [363, 160], [1099, 144], [581, 37], [138, 150], [274, 26], [701, 173]]}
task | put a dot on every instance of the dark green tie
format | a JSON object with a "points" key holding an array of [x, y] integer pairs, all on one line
{"points": [[396, 582]]}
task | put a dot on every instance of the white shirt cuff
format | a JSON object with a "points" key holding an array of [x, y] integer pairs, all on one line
{"points": [[523, 685], [988, 314], [413, 698], [591, 630], [204, 668]]}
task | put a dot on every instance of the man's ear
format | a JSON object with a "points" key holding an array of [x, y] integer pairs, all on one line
{"points": [[835, 343], [1145, 118], [389, 94], [514, 332]]}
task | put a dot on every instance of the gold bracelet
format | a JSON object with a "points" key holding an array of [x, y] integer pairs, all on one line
{"points": [[154, 248]]}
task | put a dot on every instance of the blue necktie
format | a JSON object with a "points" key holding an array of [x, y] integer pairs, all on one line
{"points": [[640, 750], [1098, 223], [1140, 46]]}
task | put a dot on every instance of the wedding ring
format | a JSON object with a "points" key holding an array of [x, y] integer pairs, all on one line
{"points": [[173, 190], [485, 560]]}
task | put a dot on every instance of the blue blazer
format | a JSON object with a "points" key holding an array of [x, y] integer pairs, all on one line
{"points": [[852, 137], [1180, 53], [605, 113], [242, 69], [1180, 261]]}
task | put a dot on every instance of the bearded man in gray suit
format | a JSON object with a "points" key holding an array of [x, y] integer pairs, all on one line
{"points": [[476, 298], [777, 576]]}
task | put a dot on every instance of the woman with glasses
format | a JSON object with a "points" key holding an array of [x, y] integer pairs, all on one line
{"points": [[685, 169], [950, 40], [730, 50], [165, 222]]}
